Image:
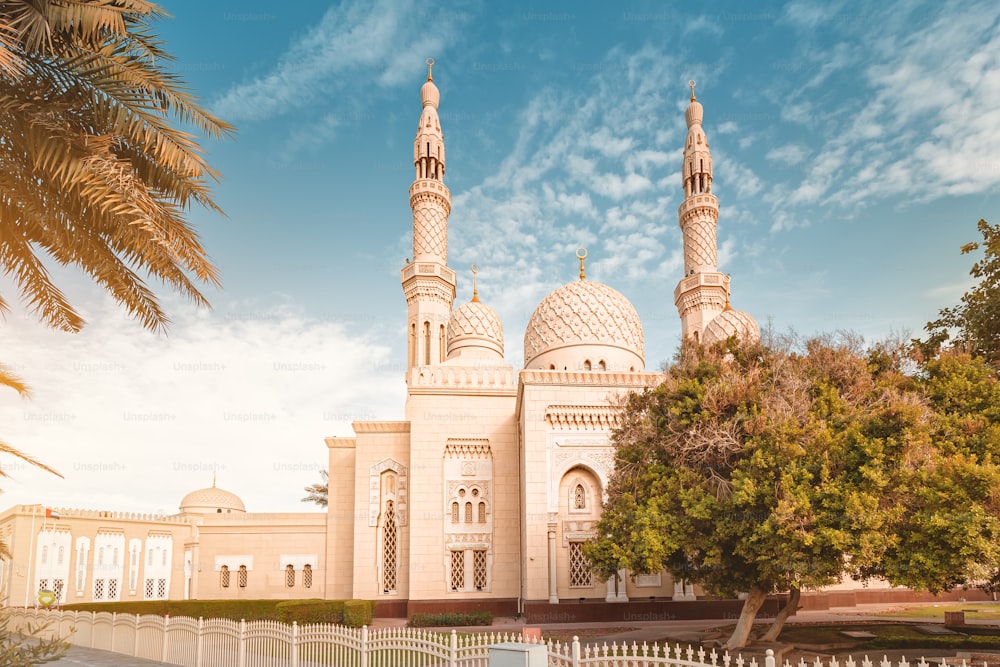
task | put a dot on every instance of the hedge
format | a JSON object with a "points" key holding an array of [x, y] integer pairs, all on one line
{"points": [[358, 612], [451, 619], [287, 611]]}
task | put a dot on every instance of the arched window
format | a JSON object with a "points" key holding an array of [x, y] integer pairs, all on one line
{"points": [[45, 553], [454, 512], [602, 366], [224, 576], [482, 512], [389, 540], [579, 497], [468, 512], [307, 576], [290, 576], [427, 342], [586, 364], [61, 556], [241, 577], [413, 345], [441, 337]]}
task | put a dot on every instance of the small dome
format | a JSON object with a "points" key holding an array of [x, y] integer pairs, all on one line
{"points": [[581, 325], [694, 113], [212, 500], [429, 94], [474, 326], [730, 323]]}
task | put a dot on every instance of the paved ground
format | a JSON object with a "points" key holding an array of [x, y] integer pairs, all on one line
{"points": [[682, 632]]}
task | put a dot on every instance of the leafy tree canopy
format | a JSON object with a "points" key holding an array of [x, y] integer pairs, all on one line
{"points": [[777, 467], [974, 325]]}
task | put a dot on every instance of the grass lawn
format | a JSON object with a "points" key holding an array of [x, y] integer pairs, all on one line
{"points": [[887, 635], [984, 611]]}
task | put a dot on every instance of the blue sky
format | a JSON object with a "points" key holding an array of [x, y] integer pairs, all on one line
{"points": [[855, 147]]}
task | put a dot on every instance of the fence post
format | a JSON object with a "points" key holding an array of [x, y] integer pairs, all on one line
{"points": [[453, 653], [364, 646], [241, 660], [769, 658], [166, 634], [576, 651], [198, 643], [295, 644]]}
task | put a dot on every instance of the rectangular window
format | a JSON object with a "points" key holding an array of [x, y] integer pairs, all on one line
{"points": [[224, 577], [307, 576], [150, 583], [161, 588], [241, 577], [580, 574], [479, 569], [112, 589], [98, 589], [457, 570]]}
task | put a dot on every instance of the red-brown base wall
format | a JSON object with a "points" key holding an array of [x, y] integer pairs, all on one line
{"points": [[588, 611]]}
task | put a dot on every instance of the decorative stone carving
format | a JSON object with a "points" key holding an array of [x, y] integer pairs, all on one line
{"points": [[374, 490], [582, 417], [583, 312], [467, 448], [478, 322], [731, 323]]}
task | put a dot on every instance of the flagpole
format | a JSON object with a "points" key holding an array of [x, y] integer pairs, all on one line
{"points": [[31, 553]]}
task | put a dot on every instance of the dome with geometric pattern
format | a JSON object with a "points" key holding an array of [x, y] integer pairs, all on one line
{"points": [[475, 328], [584, 325], [212, 500], [731, 323]]}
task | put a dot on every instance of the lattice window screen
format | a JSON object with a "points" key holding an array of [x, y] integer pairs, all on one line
{"points": [[579, 498], [580, 574], [224, 576], [241, 577], [307, 576], [289, 576], [479, 569], [389, 549], [457, 570]]}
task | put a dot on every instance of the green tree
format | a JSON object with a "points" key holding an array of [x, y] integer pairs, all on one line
{"points": [[319, 492], [974, 325], [763, 469]]}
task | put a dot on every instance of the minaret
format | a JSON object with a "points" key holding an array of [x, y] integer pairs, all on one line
{"points": [[428, 283], [703, 292]]}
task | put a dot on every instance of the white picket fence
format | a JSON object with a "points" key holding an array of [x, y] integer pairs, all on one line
{"points": [[225, 643]]}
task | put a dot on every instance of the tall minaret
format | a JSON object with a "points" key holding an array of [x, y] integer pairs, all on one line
{"points": [[428, 283], [702, 293]]}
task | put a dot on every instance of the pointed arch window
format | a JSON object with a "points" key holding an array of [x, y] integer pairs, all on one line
{"points": [[241, 577], [289, 576], [389, 549], [427, 343], [579, 497], [224, 576], [482, 513], [586, 364], [307, 576], [454, 512], [468, 512]]}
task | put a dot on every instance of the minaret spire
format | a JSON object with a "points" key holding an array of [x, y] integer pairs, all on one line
{"points": [[428, 283], [702, 293]]}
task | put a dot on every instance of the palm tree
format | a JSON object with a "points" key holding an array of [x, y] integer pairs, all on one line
{"points": [[319, 493], [91, 170], [9, 379]]}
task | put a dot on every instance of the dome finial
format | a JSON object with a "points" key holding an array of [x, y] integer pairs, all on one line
{"points": [[475, 292], [430, 66], [692, 83], [581, 254]]}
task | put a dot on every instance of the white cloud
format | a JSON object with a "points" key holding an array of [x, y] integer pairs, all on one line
{"points": [[351, 36], [134, 421], [791, 154]]}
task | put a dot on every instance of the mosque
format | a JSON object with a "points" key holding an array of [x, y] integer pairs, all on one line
{"points": [[481, 498]]}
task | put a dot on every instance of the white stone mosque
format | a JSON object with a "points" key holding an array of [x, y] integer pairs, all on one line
{"points": [[481, 498]]}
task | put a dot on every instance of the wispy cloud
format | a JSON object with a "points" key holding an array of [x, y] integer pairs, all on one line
{"points": [[353, 37]]}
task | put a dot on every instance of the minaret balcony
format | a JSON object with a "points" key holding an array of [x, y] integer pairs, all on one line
{"points": [[694, 202], [430, 185], [706, 280], [428, 270]]}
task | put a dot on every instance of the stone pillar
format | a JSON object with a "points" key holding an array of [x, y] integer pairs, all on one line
{"points": [[622, 588], [553, 588]]}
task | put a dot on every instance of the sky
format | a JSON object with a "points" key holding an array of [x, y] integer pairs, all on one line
{"points": [[855, 146]]}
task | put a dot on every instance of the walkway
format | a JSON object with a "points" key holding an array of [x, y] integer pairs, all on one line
{"points": [[91, 657]]}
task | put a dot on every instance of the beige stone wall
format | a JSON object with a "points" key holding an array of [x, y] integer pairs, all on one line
{"points": [[463, 440], [266, 544], [342, 514], [21, 526]]}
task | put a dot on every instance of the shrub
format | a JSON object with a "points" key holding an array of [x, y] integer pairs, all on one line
{"points": [[310, 611], [358, 612], [451, 619]]}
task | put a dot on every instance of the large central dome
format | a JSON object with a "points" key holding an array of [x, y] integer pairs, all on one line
{"points": [[584, 325]]}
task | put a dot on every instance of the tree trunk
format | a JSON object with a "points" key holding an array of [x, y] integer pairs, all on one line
{"points": [[789, 609], [755, 598]]}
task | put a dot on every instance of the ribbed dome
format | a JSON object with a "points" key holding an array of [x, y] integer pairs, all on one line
{"points": [[475, 325], [591, 317], [212, 500], [731, 323]]}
